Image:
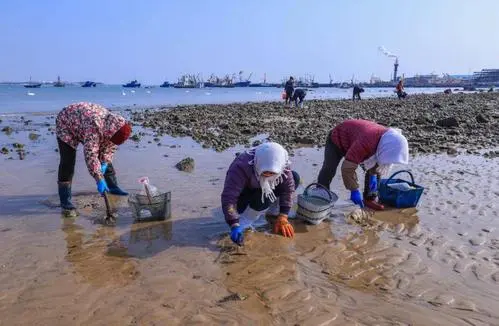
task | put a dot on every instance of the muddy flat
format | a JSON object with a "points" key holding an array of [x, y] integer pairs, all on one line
{"points": [[437, 264]]}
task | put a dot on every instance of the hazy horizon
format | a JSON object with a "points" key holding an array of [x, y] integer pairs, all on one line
{"points": [[152, 41]]}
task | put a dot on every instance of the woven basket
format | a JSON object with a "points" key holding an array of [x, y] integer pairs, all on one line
{"points": [[314, 208]]}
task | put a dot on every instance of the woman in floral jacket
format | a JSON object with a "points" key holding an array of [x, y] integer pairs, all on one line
{"points": [[100, 132]]}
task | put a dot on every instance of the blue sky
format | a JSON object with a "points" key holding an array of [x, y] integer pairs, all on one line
{"points": [[154, 40]]}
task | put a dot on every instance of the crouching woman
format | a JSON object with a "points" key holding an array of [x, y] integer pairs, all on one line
{"points": [[259, 180]]}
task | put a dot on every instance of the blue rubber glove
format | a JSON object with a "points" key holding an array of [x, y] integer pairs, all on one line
{"points": [[356, 197], [373, 183], [102, 186], [103, 167], [236, 235]]}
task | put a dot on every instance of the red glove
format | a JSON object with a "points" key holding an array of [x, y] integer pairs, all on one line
{"points": [[283, 227]]}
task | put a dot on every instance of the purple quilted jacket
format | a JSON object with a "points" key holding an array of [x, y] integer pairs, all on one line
{"points": [[241, 175]]}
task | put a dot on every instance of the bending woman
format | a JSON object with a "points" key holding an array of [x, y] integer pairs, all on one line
{"points": [[100, 132], [365, 143]]}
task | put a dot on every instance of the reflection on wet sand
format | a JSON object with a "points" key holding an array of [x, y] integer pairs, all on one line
{"points": [[94, 259]]}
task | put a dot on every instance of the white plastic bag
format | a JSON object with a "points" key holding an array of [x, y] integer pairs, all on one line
{"points": [[147, 187], [402, 186]]}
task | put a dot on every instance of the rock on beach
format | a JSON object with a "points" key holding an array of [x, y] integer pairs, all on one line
{"points": [[186, 165], [458, 122]]}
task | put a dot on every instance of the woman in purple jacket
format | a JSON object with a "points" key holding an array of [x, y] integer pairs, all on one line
{"points": [[257, 180]]}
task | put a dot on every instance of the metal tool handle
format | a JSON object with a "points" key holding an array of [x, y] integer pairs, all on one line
{"points": [[108, 207]]}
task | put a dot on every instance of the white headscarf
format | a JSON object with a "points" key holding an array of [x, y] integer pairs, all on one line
{"points": [[270, 157], [392, 149]]}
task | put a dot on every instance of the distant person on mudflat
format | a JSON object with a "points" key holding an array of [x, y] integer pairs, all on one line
{"points": [[259, 180], [400, 90], [299, 94], [100, 131], [356, 92], [289, 87], [360, 142]]}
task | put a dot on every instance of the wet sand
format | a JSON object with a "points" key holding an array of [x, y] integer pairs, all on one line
{"points": [[434, 265]]}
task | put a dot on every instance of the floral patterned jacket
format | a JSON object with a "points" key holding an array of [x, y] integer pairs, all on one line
{"points": [[93, 126]]}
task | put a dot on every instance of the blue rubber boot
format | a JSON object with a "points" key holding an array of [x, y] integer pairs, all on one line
{"points": [[112, 184]]}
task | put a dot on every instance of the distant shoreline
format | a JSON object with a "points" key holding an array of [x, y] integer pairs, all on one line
{"points": [[366, 85], [143, 107]]}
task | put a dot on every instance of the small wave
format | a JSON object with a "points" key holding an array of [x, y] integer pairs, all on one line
{"points": [[123, 93], [148, 92], [207, 93], [30, 94]]}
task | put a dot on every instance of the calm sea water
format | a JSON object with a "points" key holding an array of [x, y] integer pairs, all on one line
{"points": [[17, 99]]}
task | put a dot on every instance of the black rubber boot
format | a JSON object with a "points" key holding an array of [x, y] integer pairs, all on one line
{"points": [[112, 182], [68, 209], [296, 178], [370, 195]]}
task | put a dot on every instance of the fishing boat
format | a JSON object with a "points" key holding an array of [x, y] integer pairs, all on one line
{"points": [[224, 82], [264, 84], [189, 81], [89, 84], [307, 82], [58, 83], [165, 84], [241, 82], [330, 84], [32, 85], [132, 84]]}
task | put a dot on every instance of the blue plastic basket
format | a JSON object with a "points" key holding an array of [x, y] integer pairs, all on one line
{"points": [[399, 198]]}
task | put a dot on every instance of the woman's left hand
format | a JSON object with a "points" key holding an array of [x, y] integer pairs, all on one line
{"points": [[282, 226]]}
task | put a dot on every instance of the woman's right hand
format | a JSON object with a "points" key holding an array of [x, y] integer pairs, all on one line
{"points": [[356, 197], [102, 186]]}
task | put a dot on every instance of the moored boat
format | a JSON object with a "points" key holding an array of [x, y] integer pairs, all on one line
{"points": [[132, 84], [89, 84], [59, 83], [30, 84]]}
